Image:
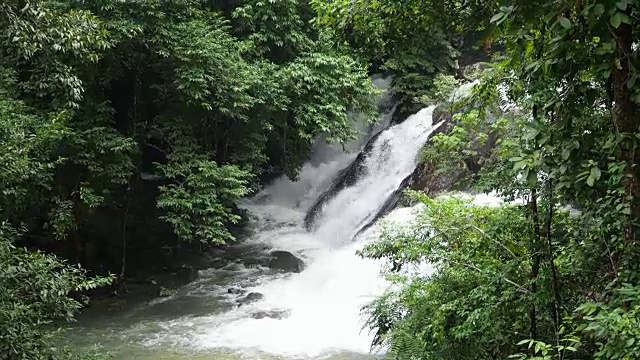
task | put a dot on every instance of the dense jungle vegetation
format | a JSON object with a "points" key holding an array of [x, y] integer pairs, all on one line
{"points": [[130, 130]]}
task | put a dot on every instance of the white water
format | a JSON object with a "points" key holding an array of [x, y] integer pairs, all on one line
{"points": [[392, 159]]}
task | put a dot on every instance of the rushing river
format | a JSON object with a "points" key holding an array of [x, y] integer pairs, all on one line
{"points": [[319, 308]]}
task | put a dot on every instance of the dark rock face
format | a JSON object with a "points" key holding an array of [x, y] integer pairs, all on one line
{"points": [[347, 177], [186, 274], [250, 298], [236, 291], [271, 314], [406, 107], [426, 177], [286, 261], [391, 203]]}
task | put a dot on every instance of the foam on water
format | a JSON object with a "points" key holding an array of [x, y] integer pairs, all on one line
{"points": [[324, 303]]}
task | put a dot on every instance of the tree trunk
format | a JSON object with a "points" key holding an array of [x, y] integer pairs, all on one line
{"points": [[535, 264], [625, 118], [123, 260], [555, 285]]}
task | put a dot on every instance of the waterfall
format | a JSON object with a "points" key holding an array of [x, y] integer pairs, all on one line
{"points": [[390, 159], [323, 302], [338, 195]]}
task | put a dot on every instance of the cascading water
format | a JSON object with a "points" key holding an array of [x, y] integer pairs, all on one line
{"points": [[318, 310], [391, 160]]}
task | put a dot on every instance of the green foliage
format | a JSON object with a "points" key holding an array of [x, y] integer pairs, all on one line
{"points": [[117, 79], [614, 325], [47, 41], [478, 136], [199, 205], [539, 350], [40, 148], [441, 91], [35, 290], [414, 40], [325, 110], [277, 30], [473, 303]]}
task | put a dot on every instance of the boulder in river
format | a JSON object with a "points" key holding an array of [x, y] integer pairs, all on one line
{"points": [[271, 314], [250, 298], [286, 261], [236, 291], [186, 274]]}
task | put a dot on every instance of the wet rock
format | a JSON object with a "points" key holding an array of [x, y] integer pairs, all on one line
{"points": [[286, 261], [347, 177], [271, 314], [250, 298], [236, 291], [436, 176], [186, 274], [255, 262], [164, 292], [218, 263], [146, 288]]}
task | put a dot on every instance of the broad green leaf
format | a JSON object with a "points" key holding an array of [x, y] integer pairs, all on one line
{"points": [[625, 18], [632, 81], [530, 134], [622, 4], [615, 20], [520, 165], [497, 17], [594, 175], [565, 23]]}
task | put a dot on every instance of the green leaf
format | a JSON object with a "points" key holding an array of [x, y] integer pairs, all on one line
{"points": [[625, 18], [632, 81], [598, 9], [532, 178], [616, 20], [497, 17], [530, 134], [520, 165], [565, 23], [593, 176], [622, 4]]}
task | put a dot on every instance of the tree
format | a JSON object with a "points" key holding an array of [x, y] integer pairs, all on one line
{"points": [[35, 290]]}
